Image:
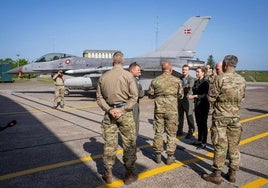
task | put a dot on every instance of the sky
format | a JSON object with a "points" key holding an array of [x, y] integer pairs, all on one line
{"points": [[32, 28]]}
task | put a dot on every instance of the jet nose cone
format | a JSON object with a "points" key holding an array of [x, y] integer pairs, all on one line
{"points": [[14, 71]]}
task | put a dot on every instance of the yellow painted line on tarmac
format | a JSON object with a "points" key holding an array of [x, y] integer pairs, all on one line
{"points": [[49, 110], [141, 175], [153, 172], [52, 166], [254, 118], [65, 109], [178, 164], [47, 167], [260, 182], [253, 138]]}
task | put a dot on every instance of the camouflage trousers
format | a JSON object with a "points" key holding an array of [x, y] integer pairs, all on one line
{"points": [[125, 125], [165, 123], [59, 96], [225, 136]]}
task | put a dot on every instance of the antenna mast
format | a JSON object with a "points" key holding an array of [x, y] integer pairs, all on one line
{"points": [[156, 33]]}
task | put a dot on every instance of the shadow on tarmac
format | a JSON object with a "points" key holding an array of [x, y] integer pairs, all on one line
{"points": [[91, 94], [21, 141], [257, 110], [93, 148]]}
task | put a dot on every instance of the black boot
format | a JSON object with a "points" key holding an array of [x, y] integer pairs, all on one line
{"points": [[231, 175], [214, 177], [170, 159], [108, 176], [130, 177], [157, 158]]}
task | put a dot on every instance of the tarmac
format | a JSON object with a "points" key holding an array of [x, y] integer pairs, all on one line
{"points": [[64, 147]]}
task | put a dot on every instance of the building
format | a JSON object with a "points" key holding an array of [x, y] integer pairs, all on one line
{"points": [[99, 53]]}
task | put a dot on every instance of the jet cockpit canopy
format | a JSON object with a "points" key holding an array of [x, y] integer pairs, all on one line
{"points": [[53, 57]]}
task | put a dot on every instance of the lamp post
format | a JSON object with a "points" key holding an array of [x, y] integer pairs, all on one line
{"points": [[18, 55]]}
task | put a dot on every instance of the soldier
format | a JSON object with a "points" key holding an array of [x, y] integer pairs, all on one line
{"points": [[135, 70], [116, 95], [209, 71], [218, 68], [226, 95], [165, 90], [216, 71], [59, 90], [186, 105]]}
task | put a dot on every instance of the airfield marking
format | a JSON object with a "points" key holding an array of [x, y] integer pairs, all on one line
{"points": [[253, 138], [256, 183], [165, 168], [65, 109], [254, 118], [49, 110], [141, 175]]}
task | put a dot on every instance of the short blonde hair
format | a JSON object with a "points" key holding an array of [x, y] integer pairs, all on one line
{"points": [[118, 57]]}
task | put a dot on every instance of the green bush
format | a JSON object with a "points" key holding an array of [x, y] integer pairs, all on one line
{"points": [[254, 76]]}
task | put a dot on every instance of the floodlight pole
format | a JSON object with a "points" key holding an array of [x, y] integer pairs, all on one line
{"points": [[18, 55]]}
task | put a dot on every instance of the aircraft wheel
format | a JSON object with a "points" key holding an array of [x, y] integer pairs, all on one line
{"points": [[66, 92]]}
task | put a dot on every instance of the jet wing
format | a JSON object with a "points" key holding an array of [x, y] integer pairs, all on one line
{"points": [[91, 70], [49, 70], [29, 71]]}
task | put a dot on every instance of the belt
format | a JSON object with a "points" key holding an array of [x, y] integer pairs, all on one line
{"points": [[118, 105], [59, 85], [166, 96], [228, 102]]}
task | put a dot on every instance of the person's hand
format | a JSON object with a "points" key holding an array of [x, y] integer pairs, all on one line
{"points": [[116, 113], [191, 96]]}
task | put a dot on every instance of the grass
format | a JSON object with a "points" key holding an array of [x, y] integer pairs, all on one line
{"points": [[254, 76], [26, 79], [45, 79]]}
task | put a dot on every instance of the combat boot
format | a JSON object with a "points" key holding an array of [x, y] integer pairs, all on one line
{"points": [[231, 176], [170, 159], [214, 177], [108, 176], [130, 177], [157, 158]]}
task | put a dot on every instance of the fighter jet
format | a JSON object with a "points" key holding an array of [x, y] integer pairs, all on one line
{"points": [[83, 72]]}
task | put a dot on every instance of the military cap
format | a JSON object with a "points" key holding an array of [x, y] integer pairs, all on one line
{"points": [[231, 60]]}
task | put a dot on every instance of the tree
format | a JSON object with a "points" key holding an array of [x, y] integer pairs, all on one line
{"points": [[7, 60], [211, 61], [14, 64], [19, 62]]}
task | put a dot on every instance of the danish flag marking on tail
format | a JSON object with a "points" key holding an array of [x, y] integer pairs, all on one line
{"points": [[187, 31]]}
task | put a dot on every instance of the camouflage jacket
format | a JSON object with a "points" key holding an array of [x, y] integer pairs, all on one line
{"points": [[226, 94], [166, 89]]}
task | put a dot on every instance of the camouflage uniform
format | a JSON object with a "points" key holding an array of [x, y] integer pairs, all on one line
{"points": [[59, 92], [166, 90], [117, 86], [226, 94]]}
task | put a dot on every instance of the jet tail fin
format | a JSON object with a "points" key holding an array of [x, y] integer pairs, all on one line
{"points": [[183, 42]]}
